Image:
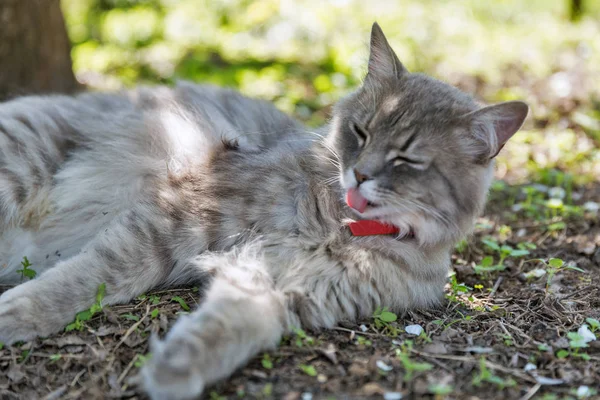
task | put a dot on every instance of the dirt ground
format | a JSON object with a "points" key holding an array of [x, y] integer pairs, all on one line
{"points": [[502, 335]]}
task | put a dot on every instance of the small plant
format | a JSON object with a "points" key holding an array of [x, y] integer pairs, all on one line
{"points": [[554, 266], [456, 289], [130, 317], [26, 271], [440, 389], [409, 365], [154, 313], [382, 319], [55, 357], [594, 324], [302, 338], [361, 340], [216, 396], [23, 356], [485, 375], [308, 369], [503, 251], [461, 246], [267, 390], [181, 302], [1, 345], [266, 361], [153, 299], [141, 360], [577, 341], [83, 316]]}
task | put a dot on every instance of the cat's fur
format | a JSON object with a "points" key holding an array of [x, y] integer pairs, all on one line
{"points": [[197, 185]]}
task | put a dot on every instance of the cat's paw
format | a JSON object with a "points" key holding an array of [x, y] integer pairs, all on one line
{"points": [[173, 372], [19, 318]]}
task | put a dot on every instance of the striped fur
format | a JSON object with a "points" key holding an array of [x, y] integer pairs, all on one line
{"points": [[161, 187]]}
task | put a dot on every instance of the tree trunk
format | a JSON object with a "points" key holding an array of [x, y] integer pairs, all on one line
{"points": [[576, 10], [34, 49]]}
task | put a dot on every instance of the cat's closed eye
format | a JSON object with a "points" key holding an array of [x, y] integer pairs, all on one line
{"points": [[415, 163], [361, 135]]}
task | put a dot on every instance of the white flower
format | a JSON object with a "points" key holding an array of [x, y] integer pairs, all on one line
{"points": [[584, 391], [535, 273], [586, 334], [557, 193], [414, 329], [392, 396], [383, 366], [529, 367], [591, 206]]}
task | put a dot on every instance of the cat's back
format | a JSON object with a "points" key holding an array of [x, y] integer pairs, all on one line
{"points": [[70, 165]]}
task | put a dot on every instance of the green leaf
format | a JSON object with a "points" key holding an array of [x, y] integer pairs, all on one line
{"points": [[71, 327], [308, 370], [562, 353], [100, 294], [181, 302], [141, 359], [519, 253], [594, 324], [131, 317], [421, 366], [388, 316], [577, 341], [491, 244], [84, 315], [154, 313], [55, 357], [440, 389], [487, 261], [557, 226], [266, 362], [574, 268], [1, 345], [555, 262]]}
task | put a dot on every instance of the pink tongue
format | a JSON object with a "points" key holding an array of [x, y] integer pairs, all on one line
{"points": [[355, 200]]}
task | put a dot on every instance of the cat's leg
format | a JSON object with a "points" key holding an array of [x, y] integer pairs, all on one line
{"points": [[130, 257], [241, 315]]}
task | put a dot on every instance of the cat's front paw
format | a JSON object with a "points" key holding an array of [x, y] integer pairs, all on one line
{"points": [[173, 372], [19, 318]]}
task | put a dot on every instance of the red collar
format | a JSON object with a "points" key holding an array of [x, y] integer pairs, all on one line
{"points": [[366, 227]]}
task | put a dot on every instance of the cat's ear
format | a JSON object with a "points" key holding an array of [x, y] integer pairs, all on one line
{"points": [[383, 62], [494, 125]]}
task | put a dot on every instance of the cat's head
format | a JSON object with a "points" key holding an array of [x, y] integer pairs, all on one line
{"points": [[418, 152]]}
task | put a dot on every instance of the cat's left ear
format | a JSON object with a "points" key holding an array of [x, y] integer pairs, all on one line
{"points": [[494, 125], [383, 62]]}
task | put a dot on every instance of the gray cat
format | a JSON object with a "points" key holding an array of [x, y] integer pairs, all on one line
{"points": [[283, 227]]}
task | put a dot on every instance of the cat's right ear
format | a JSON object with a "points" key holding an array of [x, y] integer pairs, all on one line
{"points": [[494, 125], [383, 62]]}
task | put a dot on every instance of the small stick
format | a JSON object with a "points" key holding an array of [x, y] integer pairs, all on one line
{"points": [[133, 328]]}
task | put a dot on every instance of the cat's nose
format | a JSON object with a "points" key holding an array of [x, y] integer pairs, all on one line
{"points": [[360, 178]]}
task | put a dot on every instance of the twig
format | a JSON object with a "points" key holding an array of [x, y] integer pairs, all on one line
{"points": [[79, 375], [488, 364], [339, 328], [126, 371], [496, 286], [531, 392], [132, 329]]}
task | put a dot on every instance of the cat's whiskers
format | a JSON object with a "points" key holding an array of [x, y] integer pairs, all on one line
{"points": [[392, 199]]}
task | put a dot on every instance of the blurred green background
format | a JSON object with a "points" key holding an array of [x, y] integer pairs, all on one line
{"points": [[304, 55]]}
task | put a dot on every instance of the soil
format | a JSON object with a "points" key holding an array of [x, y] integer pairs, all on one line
{"points": [[482, 344]]}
